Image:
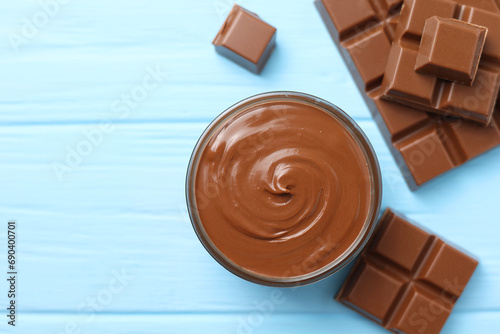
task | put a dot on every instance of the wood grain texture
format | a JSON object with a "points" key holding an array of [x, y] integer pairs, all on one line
{"points": [[122, 207]]}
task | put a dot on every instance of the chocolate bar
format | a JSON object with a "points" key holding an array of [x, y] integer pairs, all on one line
{"points": [[424, 145], [246, 39], [407, 280], [441, 55], [430, 93]]}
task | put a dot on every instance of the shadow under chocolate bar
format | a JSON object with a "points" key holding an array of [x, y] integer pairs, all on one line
{"points": [[424, 145]]}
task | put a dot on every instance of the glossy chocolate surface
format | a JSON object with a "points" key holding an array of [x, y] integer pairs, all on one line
{"points": [[451, 49], [424, 145], [283, 189], [428, 93], [407, 280], [246, 39]]}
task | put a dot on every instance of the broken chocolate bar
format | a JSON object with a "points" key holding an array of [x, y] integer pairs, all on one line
{"points": [[407, 280], [424, 145]]}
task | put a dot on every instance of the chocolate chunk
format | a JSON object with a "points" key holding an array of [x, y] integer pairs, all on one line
{"points": [[433, 94], [246, 39], [451, 49], [407, 280], [425, 145]]}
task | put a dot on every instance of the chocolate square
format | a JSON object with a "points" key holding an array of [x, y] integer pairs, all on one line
{"points": [[471, 141], [373, 303], [417, 12], [477, 99], [369, 56], [426, 154], [488, 19], [449, 269], [246, 39], [404, 254], [404, 81], [400, 120], [421, 312], [350, 16], [450, 49]]}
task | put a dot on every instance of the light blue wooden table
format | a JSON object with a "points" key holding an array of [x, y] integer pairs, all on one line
{"points": [[100, 107]]}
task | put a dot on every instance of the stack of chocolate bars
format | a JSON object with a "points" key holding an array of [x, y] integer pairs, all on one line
{"points": [[429, 71]]}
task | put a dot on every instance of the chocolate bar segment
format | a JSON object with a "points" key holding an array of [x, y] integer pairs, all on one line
{"points": [[425, 145], [371, 64], [350, 16], [491, 51], [426, 153], [450, 50], [434, 94], [421, 312], [374, 303], [246, 39], [407, 280]]}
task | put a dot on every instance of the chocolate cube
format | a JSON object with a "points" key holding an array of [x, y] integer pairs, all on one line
{"points": [[246, 39]]}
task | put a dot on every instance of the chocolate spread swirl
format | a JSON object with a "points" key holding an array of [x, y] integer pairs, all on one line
{"points": [[283, 188]]}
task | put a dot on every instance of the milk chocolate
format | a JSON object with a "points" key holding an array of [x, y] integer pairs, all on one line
{"points": [[450, 49], [407, 279], [424, 145], [428, 93], [283, 189], [246, 39]]}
